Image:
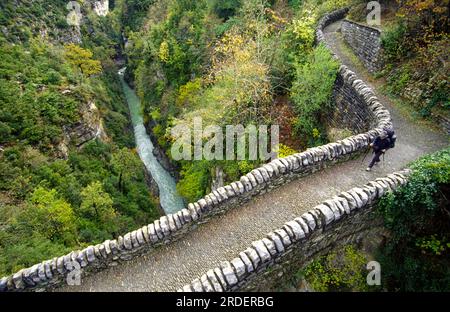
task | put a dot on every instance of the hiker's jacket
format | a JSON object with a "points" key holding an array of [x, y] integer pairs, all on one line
{"points": [[386, 143]]}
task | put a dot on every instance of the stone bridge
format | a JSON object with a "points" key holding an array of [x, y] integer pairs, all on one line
{"points": [[193, 247]]}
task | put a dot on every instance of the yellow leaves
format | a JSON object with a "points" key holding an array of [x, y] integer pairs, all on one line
{"points": [[276, 17], [284, 150], [304, 27], [164, 52], [91, 67], [75, 52], [316, 133], [238, 86], [188, 91], [229, 44], [82, 59], [440, 10], [329, 6], [420, 7], [243, 56]]}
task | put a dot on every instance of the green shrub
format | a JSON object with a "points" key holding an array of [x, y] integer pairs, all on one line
{"points": [[344, 270], [195, 179], [398, 80], [440, 99], [27, 252], [416, 257], [393, 44], [311, 94]]}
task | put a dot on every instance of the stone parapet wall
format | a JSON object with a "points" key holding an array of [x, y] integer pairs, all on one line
{"points": [[365, 42], [54, 272], [345, 219], [352, 106]]}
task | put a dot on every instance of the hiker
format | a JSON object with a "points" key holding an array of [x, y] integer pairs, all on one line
{"points": [[381, 144]]}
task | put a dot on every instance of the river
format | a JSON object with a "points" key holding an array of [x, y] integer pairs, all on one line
{"points": [[170, 201]]}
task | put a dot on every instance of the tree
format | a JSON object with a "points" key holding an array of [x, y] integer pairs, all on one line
{"points": [[51, 216], [126, 165], [164, 52], [82, 59], [97, 203]]}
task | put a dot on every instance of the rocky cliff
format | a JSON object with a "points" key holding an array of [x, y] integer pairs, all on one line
{"points": [[89, 127]]}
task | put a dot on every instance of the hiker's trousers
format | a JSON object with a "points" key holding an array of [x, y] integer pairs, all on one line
{"points": [[376, 158]]}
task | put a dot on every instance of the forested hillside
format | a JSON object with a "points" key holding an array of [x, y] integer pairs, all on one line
{"points": [[68, 173]]}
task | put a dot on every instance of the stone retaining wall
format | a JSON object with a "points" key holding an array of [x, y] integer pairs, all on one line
{"points": [[344, 219], [365, 42], [350, 109], [52, 273], [444, 121]]}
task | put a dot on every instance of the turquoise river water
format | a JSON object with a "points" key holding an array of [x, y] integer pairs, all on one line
{"points": [[171, 202]]}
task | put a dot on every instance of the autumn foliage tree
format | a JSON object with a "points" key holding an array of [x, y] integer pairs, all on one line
{"points": [[424, 22], [82, 60], [241, 82], [416, 52]]}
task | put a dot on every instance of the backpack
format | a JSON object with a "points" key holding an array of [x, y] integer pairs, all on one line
{"points": [[392, 141]]}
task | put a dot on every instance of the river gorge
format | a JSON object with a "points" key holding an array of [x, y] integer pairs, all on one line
{"points": [[170, 201]]}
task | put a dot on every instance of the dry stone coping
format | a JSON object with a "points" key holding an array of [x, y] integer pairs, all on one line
{"points": [[277, 243]]}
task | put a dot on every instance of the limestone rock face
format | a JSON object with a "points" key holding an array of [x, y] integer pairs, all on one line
{"points": [[89, 127], [73, 33]]}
